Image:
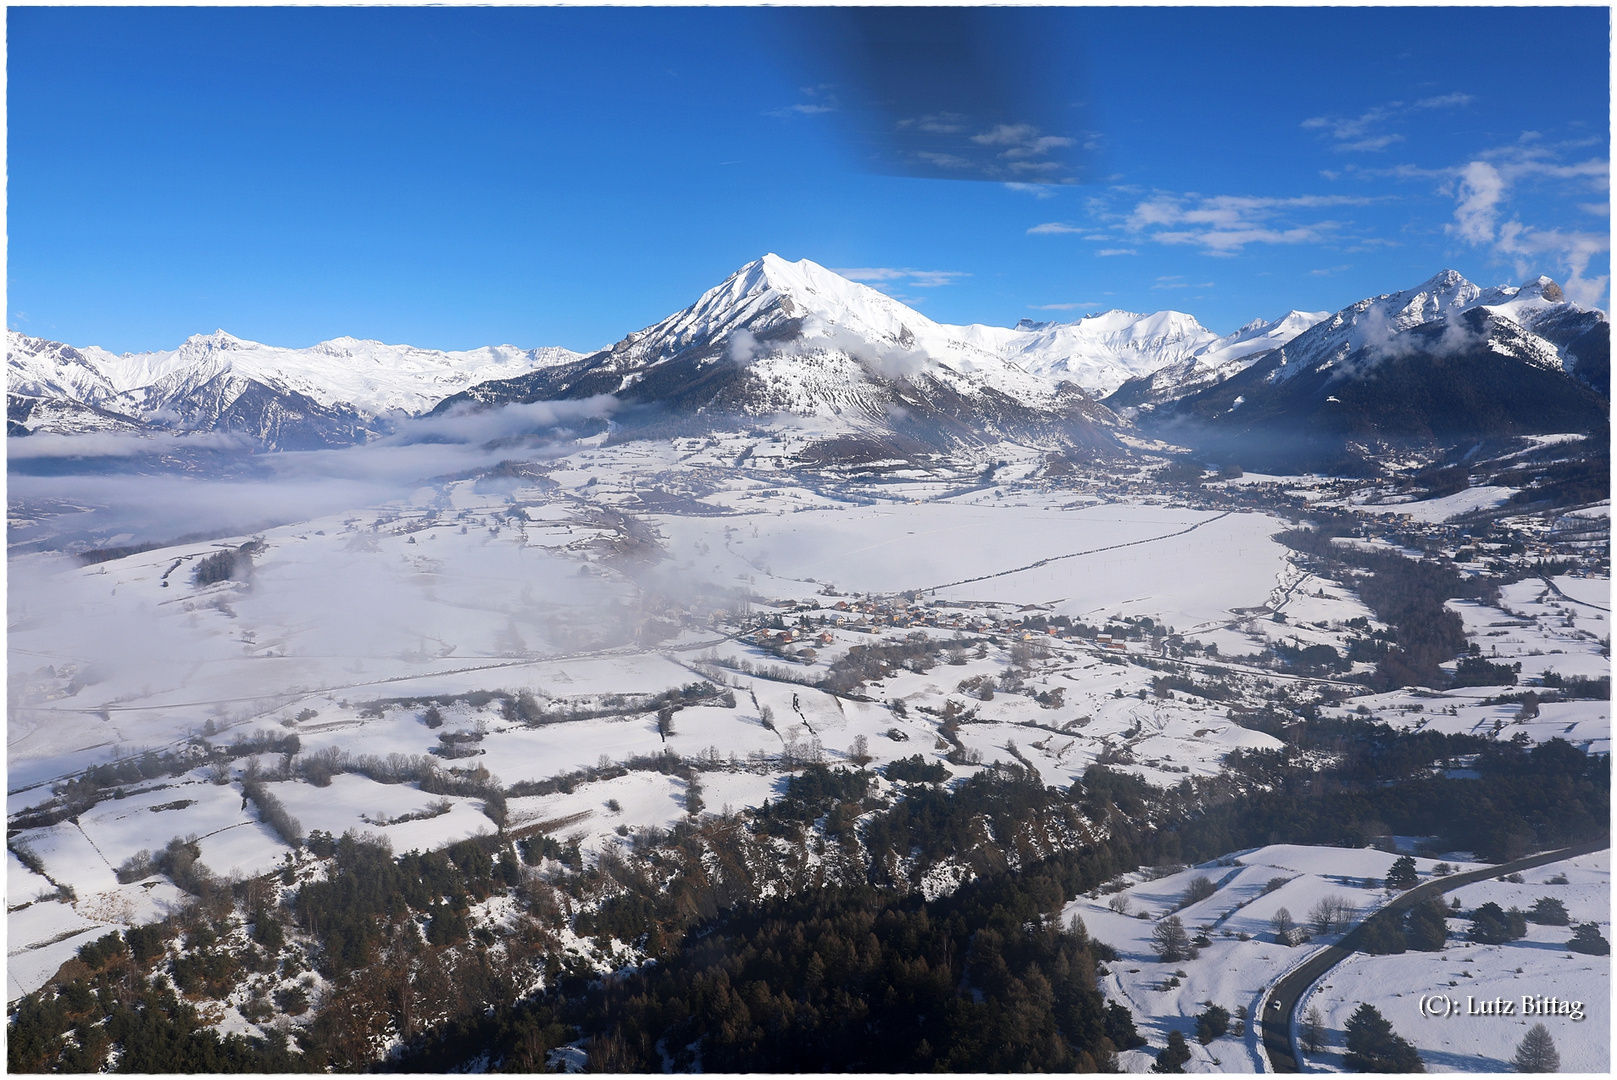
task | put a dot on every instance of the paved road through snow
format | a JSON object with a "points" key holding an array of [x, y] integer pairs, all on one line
{"points": [[1283, 1000]]}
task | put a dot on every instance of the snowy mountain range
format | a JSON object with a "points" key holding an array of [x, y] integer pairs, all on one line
{"points": [[333, 393], [1442, 362], [783, 338], [795, 338]]}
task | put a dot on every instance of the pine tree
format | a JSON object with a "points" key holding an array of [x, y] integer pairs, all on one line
{"points": [[1172, 1058], [1403, 874], [1426, 928], [1536, 1052], [1212, 1024], [1373, 1047], [1383, 937], [1586, 938], [1549, 912]]}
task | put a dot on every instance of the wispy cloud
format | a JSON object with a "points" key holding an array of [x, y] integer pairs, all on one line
{"points": [[1361, 134], [822, 99], [917, 279], [1062, 307], [1217, 224], [1226, 224], [1484, 216], [1038, 191], [1444, 101], [1177, 281], [1374, 142]]}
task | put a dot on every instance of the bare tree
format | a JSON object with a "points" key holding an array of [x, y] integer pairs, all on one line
{"points": [[1119, 903], [859, 752], [1312, 1030], [1282, 922], [1332, 914], [1170, 940], [1200, 888]]}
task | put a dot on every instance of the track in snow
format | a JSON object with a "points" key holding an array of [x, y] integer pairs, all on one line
{"points": [[1077, 554]]}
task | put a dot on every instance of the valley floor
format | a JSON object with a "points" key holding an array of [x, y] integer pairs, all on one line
{"points": [[701, 598]]}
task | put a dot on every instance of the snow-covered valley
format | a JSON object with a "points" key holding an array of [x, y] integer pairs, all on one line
{"points": [[631, 673]]}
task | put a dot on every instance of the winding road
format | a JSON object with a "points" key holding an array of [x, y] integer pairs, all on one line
{"points": [[1282, 1001]]}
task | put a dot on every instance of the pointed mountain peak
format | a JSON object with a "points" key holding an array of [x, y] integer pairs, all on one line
{"points": [[1545, 287], [219, 339], [1442, 281]]}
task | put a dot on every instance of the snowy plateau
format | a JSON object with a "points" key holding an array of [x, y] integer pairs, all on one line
{"points": [[1005, 647]]}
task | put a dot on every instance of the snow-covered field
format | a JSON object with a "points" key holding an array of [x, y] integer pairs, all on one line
{"points": [[610, 571], [1537, 966], [1243, 959]]}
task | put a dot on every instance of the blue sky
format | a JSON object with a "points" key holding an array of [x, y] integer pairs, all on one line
{"points": [[459, 177]]}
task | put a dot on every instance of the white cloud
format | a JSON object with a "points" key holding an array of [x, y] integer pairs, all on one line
{"points": [[1225, 224], [1007, 135], [1038, 191], [1054, 228], [1482, 191], [937, 124], [1062, 307], [944, 161], [1444, 101], [870, 273], [919, 279], [1375, 142], [1357, 134], [1116, 251], [114, 444], [826, 102]]}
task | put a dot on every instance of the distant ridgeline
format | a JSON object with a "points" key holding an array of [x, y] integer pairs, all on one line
{"points": [[1433, 367]]}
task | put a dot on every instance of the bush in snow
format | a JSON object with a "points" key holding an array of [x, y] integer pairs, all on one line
{"points": [[1212, 1024], [1490, 925], [1549, 912], [1172, 1058], [1586, 939]]}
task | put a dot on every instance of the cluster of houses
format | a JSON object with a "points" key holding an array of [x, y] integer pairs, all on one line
{"points": [[875, 616]]}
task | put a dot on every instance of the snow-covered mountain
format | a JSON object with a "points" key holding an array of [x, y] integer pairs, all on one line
{"points": [[328, 394], [1098, 352], [778, 337], [783, 338], [1213, 362], [1440, 362]]}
